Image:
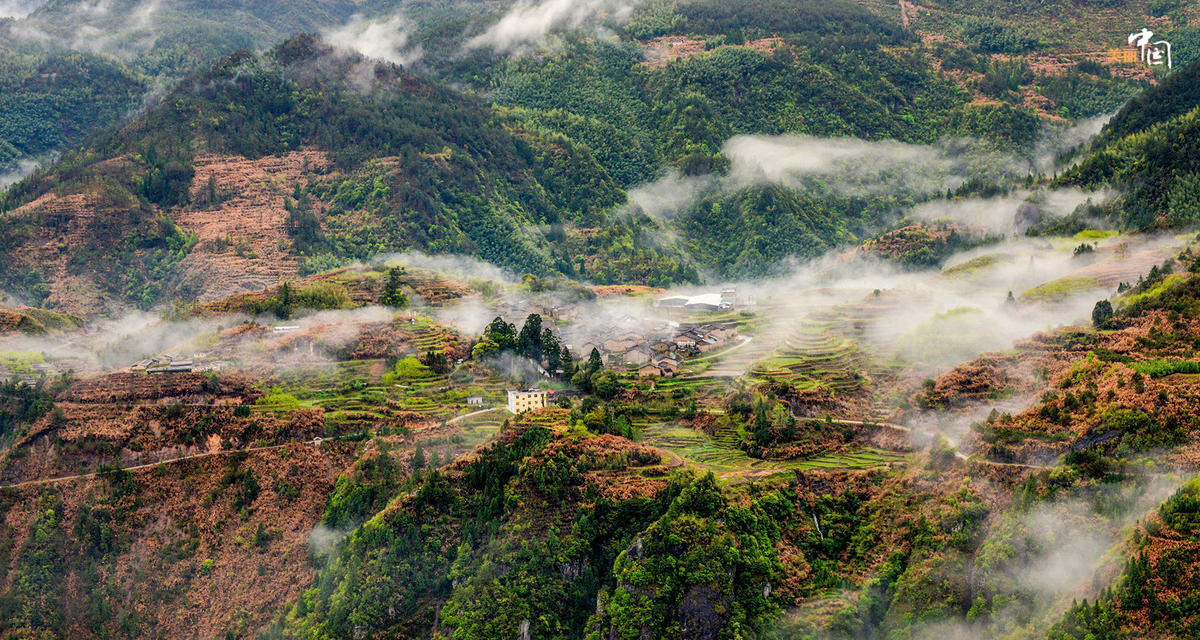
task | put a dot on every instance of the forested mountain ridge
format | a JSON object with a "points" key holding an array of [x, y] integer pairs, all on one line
{"points": [[47, 102], [1148, 152], [400, 163], [666, 93]]}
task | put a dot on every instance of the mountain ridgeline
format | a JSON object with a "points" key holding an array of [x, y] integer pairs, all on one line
{"points": [[410, 165], [524, 163], [1148, 151], [598, 320]]}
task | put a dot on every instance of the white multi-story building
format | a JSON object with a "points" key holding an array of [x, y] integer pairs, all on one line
{"points": [[522, 401]]}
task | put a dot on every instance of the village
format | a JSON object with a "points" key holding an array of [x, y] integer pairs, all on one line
{"points": [[641, 337], [660, 351], [650, 345]]}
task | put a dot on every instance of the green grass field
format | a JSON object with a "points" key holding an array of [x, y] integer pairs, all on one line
{"points": [[720, 454]]}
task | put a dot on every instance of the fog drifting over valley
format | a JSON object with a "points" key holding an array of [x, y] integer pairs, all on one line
{"points": [[530, 23], [18, 8]]}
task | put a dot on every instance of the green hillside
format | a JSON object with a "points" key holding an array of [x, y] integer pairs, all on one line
{"points": [[1149, 153], [49, 101], [415, 165]]}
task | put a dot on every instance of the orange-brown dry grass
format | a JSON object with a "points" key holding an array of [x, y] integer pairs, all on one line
{"points": [[159, 575], [253, 221]]}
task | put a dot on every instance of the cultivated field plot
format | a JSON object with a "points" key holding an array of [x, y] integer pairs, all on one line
{"points": [[365, 393], [484, 427], [825, 351], [719, 453]]}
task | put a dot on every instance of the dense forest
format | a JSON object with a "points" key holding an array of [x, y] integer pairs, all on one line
{"points": [[1148, 151], [526, 161], [48, 102], [282, 271]]}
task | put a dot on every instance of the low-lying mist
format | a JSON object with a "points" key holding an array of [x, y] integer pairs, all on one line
{"points": [[387, 38], [529, 23], [24, 168]]}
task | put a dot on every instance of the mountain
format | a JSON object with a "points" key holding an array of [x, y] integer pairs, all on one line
{"points": [[1147, 152], [666, 93], [51, 101], [835, 319], [69, 68], [270, 165]]}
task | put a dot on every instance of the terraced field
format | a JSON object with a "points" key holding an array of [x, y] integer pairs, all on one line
{"points": [[354, 395], [482, 428], [814, 356], [429, 335], [720, 453], [826, 352], [707, 390]]}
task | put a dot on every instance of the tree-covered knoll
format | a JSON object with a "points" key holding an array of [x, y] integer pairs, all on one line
{"points": [[517, 534], [1158, 593], [415, 165], [746, 233], [1176, 95], [827, 24], [48, 101], [1148, 153], [682, 114]]}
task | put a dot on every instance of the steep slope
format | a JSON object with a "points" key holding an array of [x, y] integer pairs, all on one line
{"points": [[169, 37], [308, 154], [1148, 152], [1155, 596], [70, 67], [1177, 94], [49, 101]]}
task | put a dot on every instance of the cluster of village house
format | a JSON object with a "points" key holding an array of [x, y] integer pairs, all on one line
{"points": [[653, 353], [199, 362], [174, 363], [658, 352]]}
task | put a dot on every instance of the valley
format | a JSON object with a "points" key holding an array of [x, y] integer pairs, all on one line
{"points": [[599, 320]]}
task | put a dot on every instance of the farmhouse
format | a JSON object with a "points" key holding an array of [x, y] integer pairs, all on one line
{"points": [[673, 301], [667, 361], [620, 346], [522, 401], [475, 401], [660, 369], [728, 298], [684, 340], [702, 302], [637, 355], [649, 371], [177, 366]]}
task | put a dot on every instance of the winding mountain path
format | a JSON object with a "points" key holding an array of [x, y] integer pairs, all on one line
{"points": [[207, 454]]}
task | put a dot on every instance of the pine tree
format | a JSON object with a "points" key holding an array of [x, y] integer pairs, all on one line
{"points": [[284, 307], [501, 333], [1102, 313], [393, 296], [529, 341], [566, 360], [594, 363]]}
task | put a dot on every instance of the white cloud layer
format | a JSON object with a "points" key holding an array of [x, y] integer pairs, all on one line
{"points": [[388, 38]]}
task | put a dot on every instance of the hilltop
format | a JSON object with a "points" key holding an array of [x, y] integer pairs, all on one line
{"points": [[263, 337], [296, 166]]}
